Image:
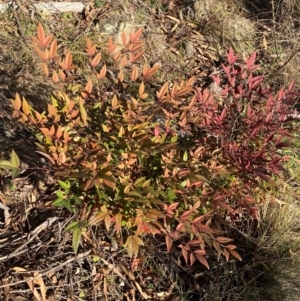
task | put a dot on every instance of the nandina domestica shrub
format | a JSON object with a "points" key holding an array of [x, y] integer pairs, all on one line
{"points": [[179, 163]]}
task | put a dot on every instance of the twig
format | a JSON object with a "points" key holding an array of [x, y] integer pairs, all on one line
{"points": [[20, 30], [32, 235], [75, 258]]}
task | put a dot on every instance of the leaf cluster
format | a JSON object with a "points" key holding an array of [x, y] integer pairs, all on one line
{"points": [[179, 162]]}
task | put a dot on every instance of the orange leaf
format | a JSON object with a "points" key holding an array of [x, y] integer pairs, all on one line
{"points": [[151, 71], [26, 107], [52, 131], [89, 86], [133, 59], [62, 75], [117, 56], [55, 77], [52, 111], [41, 32], [135, 47], [102, 73], [121, 76], [90, 49], [190, 81], [134, 74], [124, 61], [53, 49], [59, 132], [96, 60], [135, 36], [45, 70], [183, 91], [44, 41], [67, 62], [40, 53], [114, 102], [68, 59], [163, 90], [111, 45], [17, 102]]}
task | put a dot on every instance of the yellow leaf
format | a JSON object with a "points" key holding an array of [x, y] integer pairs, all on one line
{"points": [[105, 128], [141, 89], [97, 219], [26, 107], [83, 114]]}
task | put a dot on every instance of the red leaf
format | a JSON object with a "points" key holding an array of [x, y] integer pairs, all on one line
{"points": [[195, 243], [185, 215], [173, 206], [226, 254], [201, 259], [156, 131], [192, 258], [184, 253], [231, 247], [169, 243], [231, 57], [223, 240], [235, 254], [291, 86], [223, 205], [216, 79]]}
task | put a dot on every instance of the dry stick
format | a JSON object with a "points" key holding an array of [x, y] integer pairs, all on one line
{"points": [[20, 30], [32, 235], [79, 256], [287, 61]]}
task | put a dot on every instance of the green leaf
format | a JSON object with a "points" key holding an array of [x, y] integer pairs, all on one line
{"points": [[185, 156], [95, 259], [76, 239], [15, 173], [7, 165], [146, 183], [77, 200], [15, 159], [139, 182], [102, 195], [134, 193], [167, 146], [72, 226], [64, 185], [63, 203], [59, 194]]}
